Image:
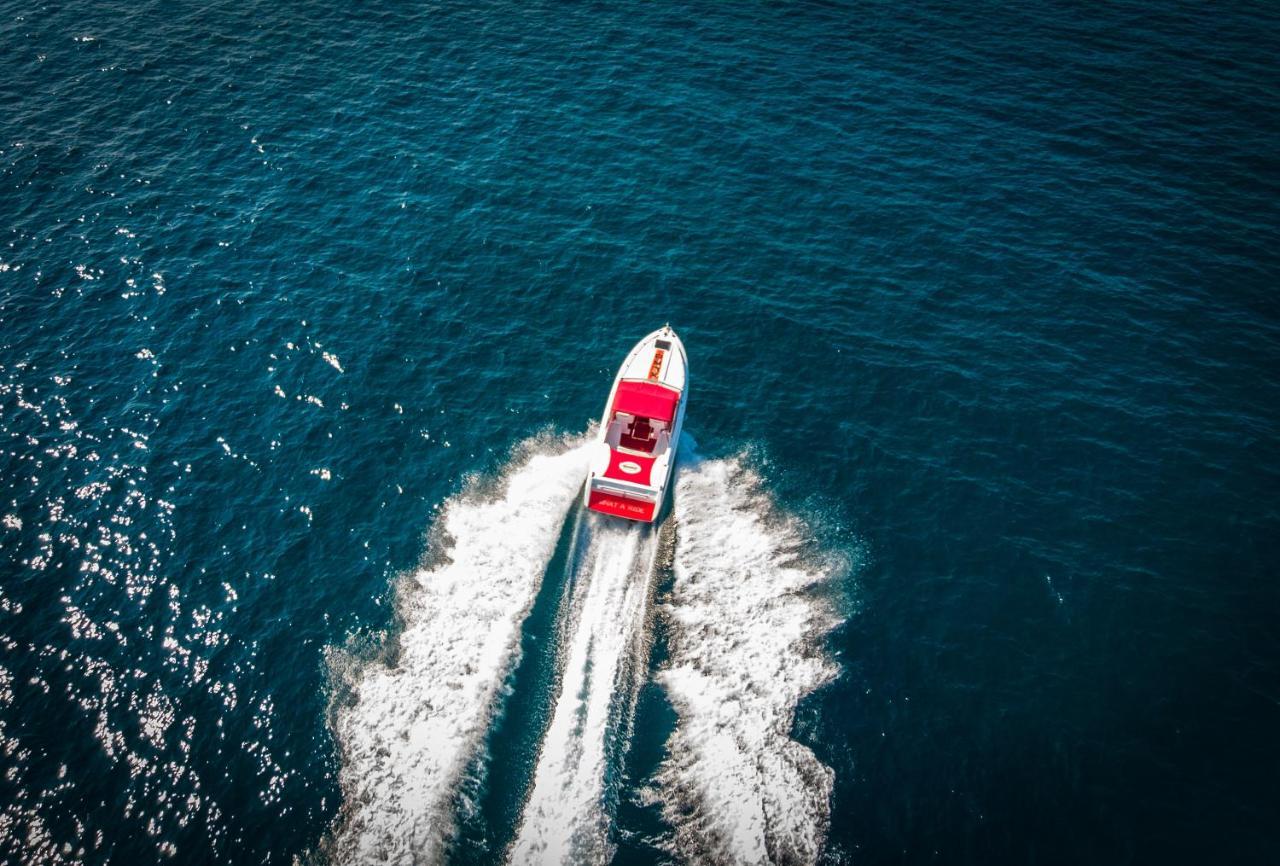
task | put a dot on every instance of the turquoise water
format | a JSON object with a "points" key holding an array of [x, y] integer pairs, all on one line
{"points": [[305, 310]]}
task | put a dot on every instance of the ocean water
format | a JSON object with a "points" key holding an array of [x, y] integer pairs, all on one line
{"points": [[306, 311]]}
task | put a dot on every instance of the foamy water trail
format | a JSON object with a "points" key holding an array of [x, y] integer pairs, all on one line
{"points": [[566, 819], [746, 633], [409, 727]]}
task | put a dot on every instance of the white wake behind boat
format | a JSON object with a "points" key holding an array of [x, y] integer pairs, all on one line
{"points": [[639, 433]]}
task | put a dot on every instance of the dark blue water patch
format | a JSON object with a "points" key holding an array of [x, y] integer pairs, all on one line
{"points": [[640, 830], [1029, 684]]}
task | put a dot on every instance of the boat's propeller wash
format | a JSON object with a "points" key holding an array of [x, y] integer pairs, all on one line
{"points": [[745, 636]]}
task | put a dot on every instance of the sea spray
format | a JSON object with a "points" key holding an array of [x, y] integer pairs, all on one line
{"points": [[408, 726], [567, 817], [746, 635]]}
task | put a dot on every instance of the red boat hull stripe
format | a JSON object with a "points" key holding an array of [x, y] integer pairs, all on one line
{"points": [[621, 506]]}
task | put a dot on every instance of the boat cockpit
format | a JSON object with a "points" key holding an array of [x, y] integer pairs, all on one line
{"points": [[637, 433]]}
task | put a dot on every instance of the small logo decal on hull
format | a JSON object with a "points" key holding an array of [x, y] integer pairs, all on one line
{"points": [[656, 366]]}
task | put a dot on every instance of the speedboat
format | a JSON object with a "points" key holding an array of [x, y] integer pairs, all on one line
{"points": [[632, 461]]}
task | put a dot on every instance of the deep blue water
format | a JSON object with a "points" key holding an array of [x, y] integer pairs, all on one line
{"points": [[984, 293]]}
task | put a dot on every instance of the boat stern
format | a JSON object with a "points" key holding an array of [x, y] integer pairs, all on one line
{"points": [[628, 505], [622, 484]]}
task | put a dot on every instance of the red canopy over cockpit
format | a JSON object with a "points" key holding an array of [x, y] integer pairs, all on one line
{"points": [[646, 400]]}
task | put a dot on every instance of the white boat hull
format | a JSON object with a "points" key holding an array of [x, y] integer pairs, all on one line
{"points": [[635, 453]]}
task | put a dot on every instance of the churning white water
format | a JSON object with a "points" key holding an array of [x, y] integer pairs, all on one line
{"points": [[409, 727], [566, 819], [745, 647]]}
